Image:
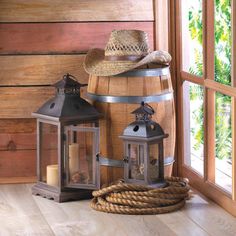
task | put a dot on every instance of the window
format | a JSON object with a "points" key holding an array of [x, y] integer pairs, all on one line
{"points": [[206, 96]]}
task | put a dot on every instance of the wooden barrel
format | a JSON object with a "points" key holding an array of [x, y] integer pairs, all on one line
{"points": [[117, 96]]}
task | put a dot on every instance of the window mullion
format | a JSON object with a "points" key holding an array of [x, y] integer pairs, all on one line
{"points": [[179, 111], [233, 107], [209, 95], [208, 39], [233, 82]]}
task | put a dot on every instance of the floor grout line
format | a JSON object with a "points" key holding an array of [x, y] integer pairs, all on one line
{"points": [[197, 224]]}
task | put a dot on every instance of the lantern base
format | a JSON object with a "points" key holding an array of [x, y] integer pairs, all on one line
{"points": [[49, 192], [159, 185]]}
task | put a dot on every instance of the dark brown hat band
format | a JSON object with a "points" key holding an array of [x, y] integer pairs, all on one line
{"points": [[124, 58]]}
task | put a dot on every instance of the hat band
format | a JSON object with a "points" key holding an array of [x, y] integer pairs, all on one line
{"points": [[124, 58]]}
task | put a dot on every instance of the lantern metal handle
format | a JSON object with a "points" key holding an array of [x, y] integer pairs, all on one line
{"points": [[68, 75], [147, 105]]}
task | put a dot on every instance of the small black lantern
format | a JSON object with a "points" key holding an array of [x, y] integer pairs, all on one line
{"points": [[67, 144], [143, 149]]}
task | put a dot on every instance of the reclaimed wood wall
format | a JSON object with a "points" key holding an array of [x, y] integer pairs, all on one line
{"points": [[39, 42]]}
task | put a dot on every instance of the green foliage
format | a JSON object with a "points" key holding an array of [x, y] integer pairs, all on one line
{"points": [[223, 41], [222, 75], [196, 94], [196, 32], [223, 126]]}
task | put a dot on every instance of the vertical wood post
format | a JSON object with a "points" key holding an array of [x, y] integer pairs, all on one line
{"points": [[161, 31], [233, 107], [179, 86], [209, 103]]}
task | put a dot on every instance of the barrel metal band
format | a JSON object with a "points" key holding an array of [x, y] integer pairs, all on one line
{"points": [[145, 72], [131, 99], [103, 161]]}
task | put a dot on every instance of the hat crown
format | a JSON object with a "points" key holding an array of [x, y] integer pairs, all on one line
{"points": [[127, 42]]}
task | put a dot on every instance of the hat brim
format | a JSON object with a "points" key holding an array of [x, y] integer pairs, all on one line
{"points": [[95, 64]]}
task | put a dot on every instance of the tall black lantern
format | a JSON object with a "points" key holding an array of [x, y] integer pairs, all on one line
{"points": [[67, 145], [143, 149]]}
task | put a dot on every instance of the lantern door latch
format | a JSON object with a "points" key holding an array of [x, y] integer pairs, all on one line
{"points": [[97, 156]]}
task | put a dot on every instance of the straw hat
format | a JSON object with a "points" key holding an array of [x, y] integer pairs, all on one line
{"points": [[125, 50]]}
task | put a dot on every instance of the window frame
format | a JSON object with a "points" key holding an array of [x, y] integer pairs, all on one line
{"points": [[206, 183]]}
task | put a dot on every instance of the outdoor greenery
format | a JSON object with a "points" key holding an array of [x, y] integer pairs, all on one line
{"points": [[222, 75]]}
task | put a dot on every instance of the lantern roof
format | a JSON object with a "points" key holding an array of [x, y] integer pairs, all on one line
{"points": [[67, 105], [144, 130], [143, 127]]}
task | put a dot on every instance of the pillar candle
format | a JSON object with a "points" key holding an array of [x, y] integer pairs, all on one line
{"points": [[52, 175], [73, 158]]}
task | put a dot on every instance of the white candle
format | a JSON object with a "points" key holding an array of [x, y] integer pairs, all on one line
{"points": [[73, 158], [52, 175]]}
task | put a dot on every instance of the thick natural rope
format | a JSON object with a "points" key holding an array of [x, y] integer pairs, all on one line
{"points": [[122, 198], [120, 187], [152, 200], [151, 194]]}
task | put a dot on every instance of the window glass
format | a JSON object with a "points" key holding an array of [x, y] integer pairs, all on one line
{"points": [[192, 49], [223, 41], [81, 157], [136, 161], [49, 154], [193, 127], [223, 141]]}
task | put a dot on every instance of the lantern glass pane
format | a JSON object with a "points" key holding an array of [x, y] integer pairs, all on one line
{"points": [[153, 165], [48, 151], [81, 152], [136, 162]]}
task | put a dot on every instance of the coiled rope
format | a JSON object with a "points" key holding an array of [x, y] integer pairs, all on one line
{"points": [[122, 198]]}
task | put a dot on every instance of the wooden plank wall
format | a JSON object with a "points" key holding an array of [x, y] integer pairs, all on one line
{"points": [[40, 41]]}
